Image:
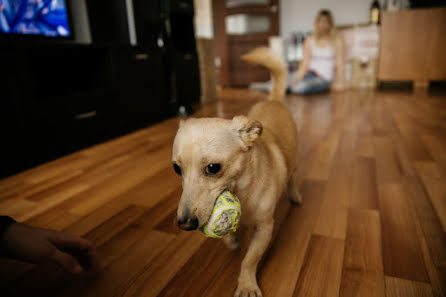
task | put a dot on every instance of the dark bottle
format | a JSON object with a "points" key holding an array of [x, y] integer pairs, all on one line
{"points": [[375, 12]]}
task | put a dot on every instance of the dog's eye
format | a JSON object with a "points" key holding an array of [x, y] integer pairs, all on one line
{"points": [[213, 169], [177, 169]]}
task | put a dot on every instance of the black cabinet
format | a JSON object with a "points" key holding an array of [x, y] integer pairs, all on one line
{"points": [[65, 108], [186, 77], [58, 100], [183, 51], [12, 148], [142, 95]]}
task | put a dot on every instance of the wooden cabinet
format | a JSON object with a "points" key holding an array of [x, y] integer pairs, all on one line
{"points": [[413, 46]]}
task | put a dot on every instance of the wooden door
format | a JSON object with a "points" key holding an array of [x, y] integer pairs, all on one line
{"points": [[241, 26]]}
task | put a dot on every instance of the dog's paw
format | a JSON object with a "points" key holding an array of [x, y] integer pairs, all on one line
{"points": [[248, 290], [232, 242]]}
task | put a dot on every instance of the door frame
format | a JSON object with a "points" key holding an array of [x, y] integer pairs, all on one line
{"points": [[220, 11]]}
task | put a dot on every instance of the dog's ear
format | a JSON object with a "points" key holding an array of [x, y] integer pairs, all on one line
{"points": [[248, 130]]}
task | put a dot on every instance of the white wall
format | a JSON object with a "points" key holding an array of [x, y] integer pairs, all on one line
{"points": [[203, 19], [298, 15]]}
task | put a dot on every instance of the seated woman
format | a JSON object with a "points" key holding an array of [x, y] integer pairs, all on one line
{"points": [[323, 54]]}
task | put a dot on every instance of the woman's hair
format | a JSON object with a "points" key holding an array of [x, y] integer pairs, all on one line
{"points": [[324, 13]]}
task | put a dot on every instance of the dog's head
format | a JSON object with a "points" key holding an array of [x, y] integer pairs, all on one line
{"points": [[209, 154]]}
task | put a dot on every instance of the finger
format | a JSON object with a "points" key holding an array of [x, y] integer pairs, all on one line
{"points": [[66, 261], [66, 240], [93, 260], [83, 250]]}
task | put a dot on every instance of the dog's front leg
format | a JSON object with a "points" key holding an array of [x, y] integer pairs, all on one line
{"points": [[247, 282]]}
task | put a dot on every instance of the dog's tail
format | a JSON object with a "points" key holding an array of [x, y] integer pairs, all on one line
{"points": [[266, 57]]}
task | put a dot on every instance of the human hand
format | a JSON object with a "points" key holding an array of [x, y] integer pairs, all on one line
{"points": [[36, 245]]}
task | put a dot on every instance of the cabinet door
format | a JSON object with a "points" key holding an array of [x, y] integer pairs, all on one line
{"points": [[187, 78], [403, 46], [413, 46], [12, 150], [64, 110], [142, 88], [437, 60]]}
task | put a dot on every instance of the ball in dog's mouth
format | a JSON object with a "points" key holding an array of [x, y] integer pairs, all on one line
{"points": [[225, 216]]}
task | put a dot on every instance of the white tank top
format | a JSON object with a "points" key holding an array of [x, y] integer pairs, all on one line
{"points": [[322, 60]]}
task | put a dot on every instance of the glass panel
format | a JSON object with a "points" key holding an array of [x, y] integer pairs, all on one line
{"points": [[234, 3], [247, 23]]}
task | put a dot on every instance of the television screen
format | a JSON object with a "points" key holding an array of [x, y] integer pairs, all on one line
{"points": [[34, 17]]}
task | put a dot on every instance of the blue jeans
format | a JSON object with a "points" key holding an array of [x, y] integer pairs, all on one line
{"points": [[310, 84]]}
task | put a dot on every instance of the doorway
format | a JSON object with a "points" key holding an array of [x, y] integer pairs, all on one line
{"points": [[240, 26]]}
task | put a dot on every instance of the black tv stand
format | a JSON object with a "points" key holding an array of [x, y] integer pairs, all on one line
{"points": [[58, 96], [61, 98]]}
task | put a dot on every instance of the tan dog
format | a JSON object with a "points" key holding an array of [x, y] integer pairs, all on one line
{"points": [[254, 157]]}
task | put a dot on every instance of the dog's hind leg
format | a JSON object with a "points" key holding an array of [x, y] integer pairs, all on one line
{"points": [[231, 241], [293, 190]]}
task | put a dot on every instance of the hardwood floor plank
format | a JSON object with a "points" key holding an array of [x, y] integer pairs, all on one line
{"points": [[120, 184], [380, 120], [116, 184], [40, 190], [288, 251], [224, 282], [413, 143], [196, 275], [323, 156], [363, 269], [53, 200], [365, 147], [387, 165], [160, 211], [437, 275], [155, 276], [162, 184], [18, 183], [16, 207], [146, 194], [97, 217], [397, 287], [322, 268], [169, 224], [114, 225], [371, 169], [364, 185], [135, 231], [332, 220], [126, 269], [431, 234], [436, 146], [434, 182], [53, 218], [401, 250]]}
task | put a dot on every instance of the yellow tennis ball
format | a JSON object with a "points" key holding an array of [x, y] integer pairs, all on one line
{"points": [[225, 216]]}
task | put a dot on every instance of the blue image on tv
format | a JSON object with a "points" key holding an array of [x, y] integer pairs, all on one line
{"points": [[34, 17]]}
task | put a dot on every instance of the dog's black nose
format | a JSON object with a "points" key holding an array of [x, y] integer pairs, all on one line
{"points": [[188, 223]]}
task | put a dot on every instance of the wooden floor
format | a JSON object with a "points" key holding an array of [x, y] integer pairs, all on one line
{"points": [[372, 171]]}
